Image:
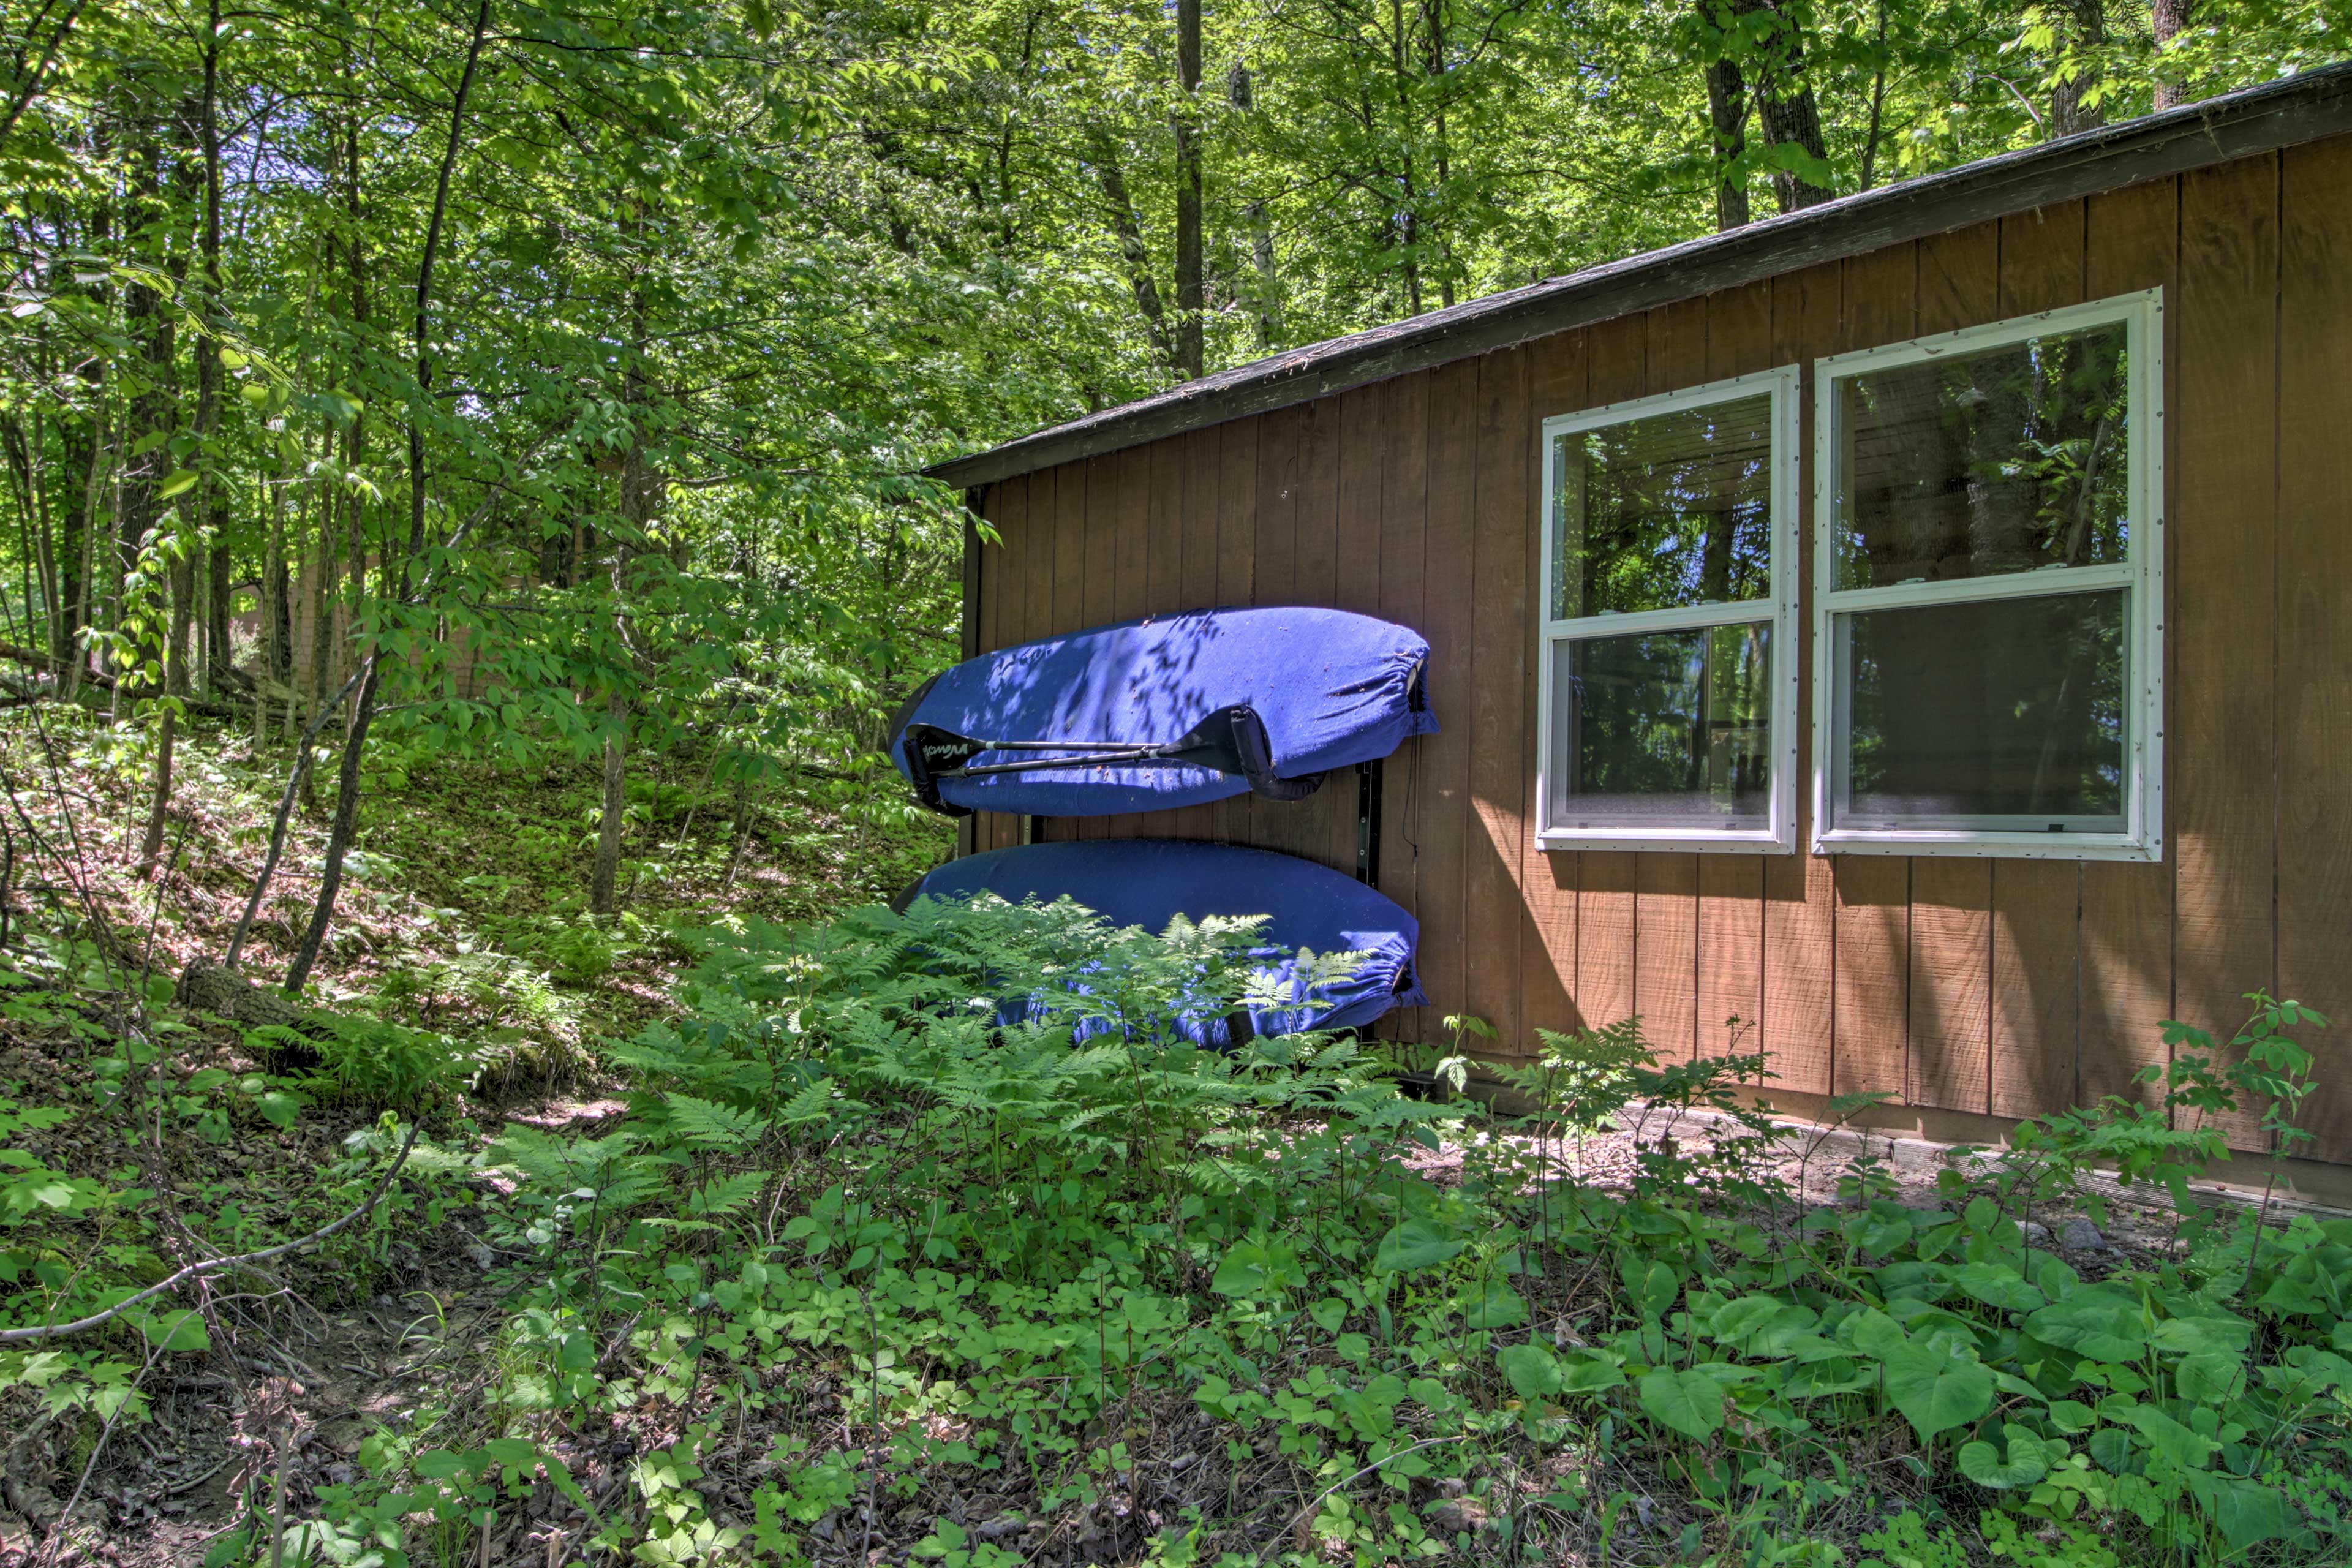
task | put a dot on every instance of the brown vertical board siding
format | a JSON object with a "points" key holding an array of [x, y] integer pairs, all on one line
{"points": [[2315, 655], [1065, 572], [2133, 240], [1032, 570], [1390, 450], [1666, 897], [1362, 473], [1274, 569], [1442, 803], [2225, 515], [2037, 904], [1730, 886], [1274, 572], [1800, 933], [1495, 823], [1870, 1015], [1548, 877], [991, 830], [1163, 590], [1233, 820], [1131, 546], [1607, 929], [1163, 586], [1318, 534], [1099, 592], [1203, 498], [1951, 896]]}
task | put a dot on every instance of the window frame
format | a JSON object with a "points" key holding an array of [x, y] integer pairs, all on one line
{"points": [[2139, 576], [1781, 610]]}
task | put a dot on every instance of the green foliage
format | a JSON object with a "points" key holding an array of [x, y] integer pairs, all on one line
{"points": [[966, 1161]]}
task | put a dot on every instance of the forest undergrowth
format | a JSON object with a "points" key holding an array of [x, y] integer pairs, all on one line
{"points": [[782, 1231]]}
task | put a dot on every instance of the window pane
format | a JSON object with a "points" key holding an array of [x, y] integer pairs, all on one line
{"points": [[1666, 511], [2009, 709], [2002, 461], [1664, 730]]}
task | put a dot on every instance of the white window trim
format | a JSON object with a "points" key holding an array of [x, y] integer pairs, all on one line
{"points": [[2140, 575], [1781, 609]]}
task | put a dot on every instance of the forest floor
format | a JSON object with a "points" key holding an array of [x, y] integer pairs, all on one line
{"points": [[463, 913], [462, 930]]}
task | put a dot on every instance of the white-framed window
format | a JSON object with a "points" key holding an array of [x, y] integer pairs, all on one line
{"points": [[1667, 653], [1988, 615]]}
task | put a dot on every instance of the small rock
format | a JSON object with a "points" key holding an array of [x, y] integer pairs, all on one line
{"points": [[2036, 1233], [483, 1258], [997, 1529], [2082, 1236], [1464, 1513]]}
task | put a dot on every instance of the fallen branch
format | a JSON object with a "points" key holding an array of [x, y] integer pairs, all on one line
{"points": [[216, 1265], [40, 660]]}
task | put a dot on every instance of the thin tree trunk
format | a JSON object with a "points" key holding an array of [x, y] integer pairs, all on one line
{"points": [[1118, 204], [2166, 20], [1792, 118], [1726, 103], [1877, 106], [347, 781], [275, 647], [150, 844], [2071, 111], [605, 875], [1190, 298]]}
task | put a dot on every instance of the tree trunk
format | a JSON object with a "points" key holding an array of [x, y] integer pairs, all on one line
{"points": [[275, 639], [604, 876], [151, 844], [339, 834], [1119, 204], [1792, 118], [347, 778], [1190, 298], [2165, 19], [2070, 110], [1727, 106]]}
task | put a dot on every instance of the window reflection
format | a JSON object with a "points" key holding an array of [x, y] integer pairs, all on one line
{"points": [[2008, 460], [1667, 727], [1664, 511]]}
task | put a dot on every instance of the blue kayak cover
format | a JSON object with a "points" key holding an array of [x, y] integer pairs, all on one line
{"points": [[1163, 712], [1148, 882]]}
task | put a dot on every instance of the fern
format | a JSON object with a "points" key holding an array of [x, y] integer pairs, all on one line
{"points": [[727, 1194], [706, 1125]]}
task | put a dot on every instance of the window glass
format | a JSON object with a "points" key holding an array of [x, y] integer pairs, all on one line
{"points": [[1664, 511], [1665, 728], [2008, 460], [2008, 709]]}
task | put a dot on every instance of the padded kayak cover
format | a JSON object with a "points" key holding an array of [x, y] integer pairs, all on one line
{"points": [[1148, 881], [1235, 700]]}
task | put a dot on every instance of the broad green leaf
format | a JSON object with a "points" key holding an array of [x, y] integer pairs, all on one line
{"points": [[1592, 1375], [1247, 1268], [2170, 1437], [1999, 1285], [176, 484], [2102, 1324], [1532, 1371], [2023, 1465], [1496, 1307], [2209, 1379], [1690, 1403], [1416, 1245], [1937, 1389]]}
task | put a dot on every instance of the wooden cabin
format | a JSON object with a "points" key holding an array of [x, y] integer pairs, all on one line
{"points": [[1918, 627]]}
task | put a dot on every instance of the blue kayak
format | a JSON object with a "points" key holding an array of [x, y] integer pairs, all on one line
{"points": [[1164, 712], [1148, 882]]}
